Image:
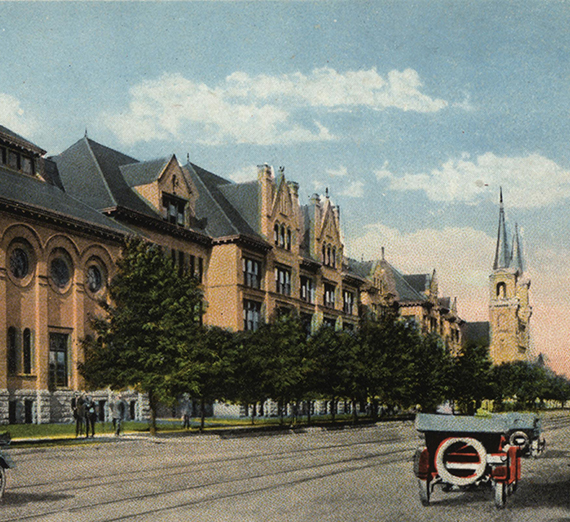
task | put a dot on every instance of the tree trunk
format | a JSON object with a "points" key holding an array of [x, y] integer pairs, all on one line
{"points": [[202, 413], [333, 409], [354, 411], [374, 410], [152, 407], [309, 413], [253, 412]]}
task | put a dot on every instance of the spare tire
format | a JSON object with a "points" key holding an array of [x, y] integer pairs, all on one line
{"points": [[460, 460], [520, 439]]}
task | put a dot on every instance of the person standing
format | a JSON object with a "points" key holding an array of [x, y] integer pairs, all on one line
{"points": [[119, 410], [90, 416], [78, 407]]}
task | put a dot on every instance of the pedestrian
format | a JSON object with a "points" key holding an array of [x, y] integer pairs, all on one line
{"points": [[186, 415], [78, 406], [90, 416], [119, 410]]}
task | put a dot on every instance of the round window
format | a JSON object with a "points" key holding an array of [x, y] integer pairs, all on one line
{"points": [[60, 273], [19, 263], [94, 278]]}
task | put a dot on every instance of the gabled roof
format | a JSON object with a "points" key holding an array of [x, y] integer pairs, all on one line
{"points": [[419, 282], [91, 171], [144, 172], [396, 282], [27, 193], [15, 139], [221, 202]]}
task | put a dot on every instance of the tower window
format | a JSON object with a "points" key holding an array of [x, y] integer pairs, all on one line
{"points": [[501, 290]]}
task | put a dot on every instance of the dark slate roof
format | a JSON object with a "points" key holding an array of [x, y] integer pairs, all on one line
{"points": [[33, 194], [214, 203], [144, 172], [91, 171], [477, 332], [18, 140], [51, 174], [246, 199], [404, 292], [419, 282]]}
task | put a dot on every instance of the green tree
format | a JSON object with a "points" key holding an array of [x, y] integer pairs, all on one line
{"points": [[152, 314], [471, 377], [523, 381], [429, 383], [204, 366]]}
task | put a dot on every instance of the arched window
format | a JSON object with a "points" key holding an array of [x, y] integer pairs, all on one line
{"points": [[12, 353], [282, 236], [501, 290], [276, 233], [27, 350], [328, 262], [288, 245], [324, 254], [333, 257]]}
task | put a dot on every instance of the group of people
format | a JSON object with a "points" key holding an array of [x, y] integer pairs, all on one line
{"points": [[85, 414]]}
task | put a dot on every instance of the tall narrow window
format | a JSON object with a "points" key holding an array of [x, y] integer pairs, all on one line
{"points": [[347, 302], [329, 297], [307, 289], [251, 273], [283, 281], [251, 315], [12, 350], [27, 350], [58, 359]]}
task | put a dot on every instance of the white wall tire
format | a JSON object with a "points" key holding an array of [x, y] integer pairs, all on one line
{"points": [[452, 471]]}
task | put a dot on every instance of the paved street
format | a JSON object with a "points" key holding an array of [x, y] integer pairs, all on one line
{"points": [[345, 475]]}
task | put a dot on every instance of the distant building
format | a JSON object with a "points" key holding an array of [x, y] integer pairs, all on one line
{"points": [[509, 305]]}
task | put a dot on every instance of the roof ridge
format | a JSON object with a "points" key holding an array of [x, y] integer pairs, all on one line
{"points": [[214, 199], [94, 156]]}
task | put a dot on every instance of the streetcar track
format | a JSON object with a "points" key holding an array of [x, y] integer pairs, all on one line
{"points": [[196, 466], [219, 483]]}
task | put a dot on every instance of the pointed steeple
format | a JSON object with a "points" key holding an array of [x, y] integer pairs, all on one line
{"points": [[516, 255], [502, 253]]}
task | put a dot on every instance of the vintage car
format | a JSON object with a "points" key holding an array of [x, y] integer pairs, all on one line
{"points": [[463, 452]]}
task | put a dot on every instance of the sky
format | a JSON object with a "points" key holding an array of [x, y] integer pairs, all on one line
{"points": [[412, 114]]}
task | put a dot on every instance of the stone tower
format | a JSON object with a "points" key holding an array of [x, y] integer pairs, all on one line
{"points": [[509, 307]]}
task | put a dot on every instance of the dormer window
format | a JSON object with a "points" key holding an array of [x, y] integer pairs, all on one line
{"points": [[174, 209], [17, 161]]}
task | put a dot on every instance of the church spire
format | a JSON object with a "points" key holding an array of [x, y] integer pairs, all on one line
{"points": [[516, 255], [502, 254]]}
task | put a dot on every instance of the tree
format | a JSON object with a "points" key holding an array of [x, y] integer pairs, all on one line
{"points": [[204, 366], [430, 373], [521, 380], [152, 313], [470, 377]]}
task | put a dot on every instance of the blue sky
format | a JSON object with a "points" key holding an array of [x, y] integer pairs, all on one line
{"points": [[412, 114]]}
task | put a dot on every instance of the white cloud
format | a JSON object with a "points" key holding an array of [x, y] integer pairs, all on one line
{"points": [[529, 181], [354, 190], [244, 174], [462, 258], [342, 171], [260, 109], [13, 117], [326, 87]]}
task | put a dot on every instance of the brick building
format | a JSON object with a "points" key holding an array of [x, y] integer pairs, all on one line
{"points": [[256, 249]]}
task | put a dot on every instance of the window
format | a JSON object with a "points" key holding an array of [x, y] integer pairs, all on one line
{"points": [[251, 273], [288, 240], [60, 270], [307, 289], [27, 351], [501, 290], [276, 233], [283, 281], [251, 315], [329, 295], [27, 166], [2, 155], [329, 322], [348, 302], [307, 322], [174, 209], [58, 360], [94, 278], [19, 263], [12, 354], [13, 160]]}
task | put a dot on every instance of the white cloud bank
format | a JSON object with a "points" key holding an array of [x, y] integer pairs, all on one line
{"points": [[531, 181], [13, 117], [260, 109]]}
